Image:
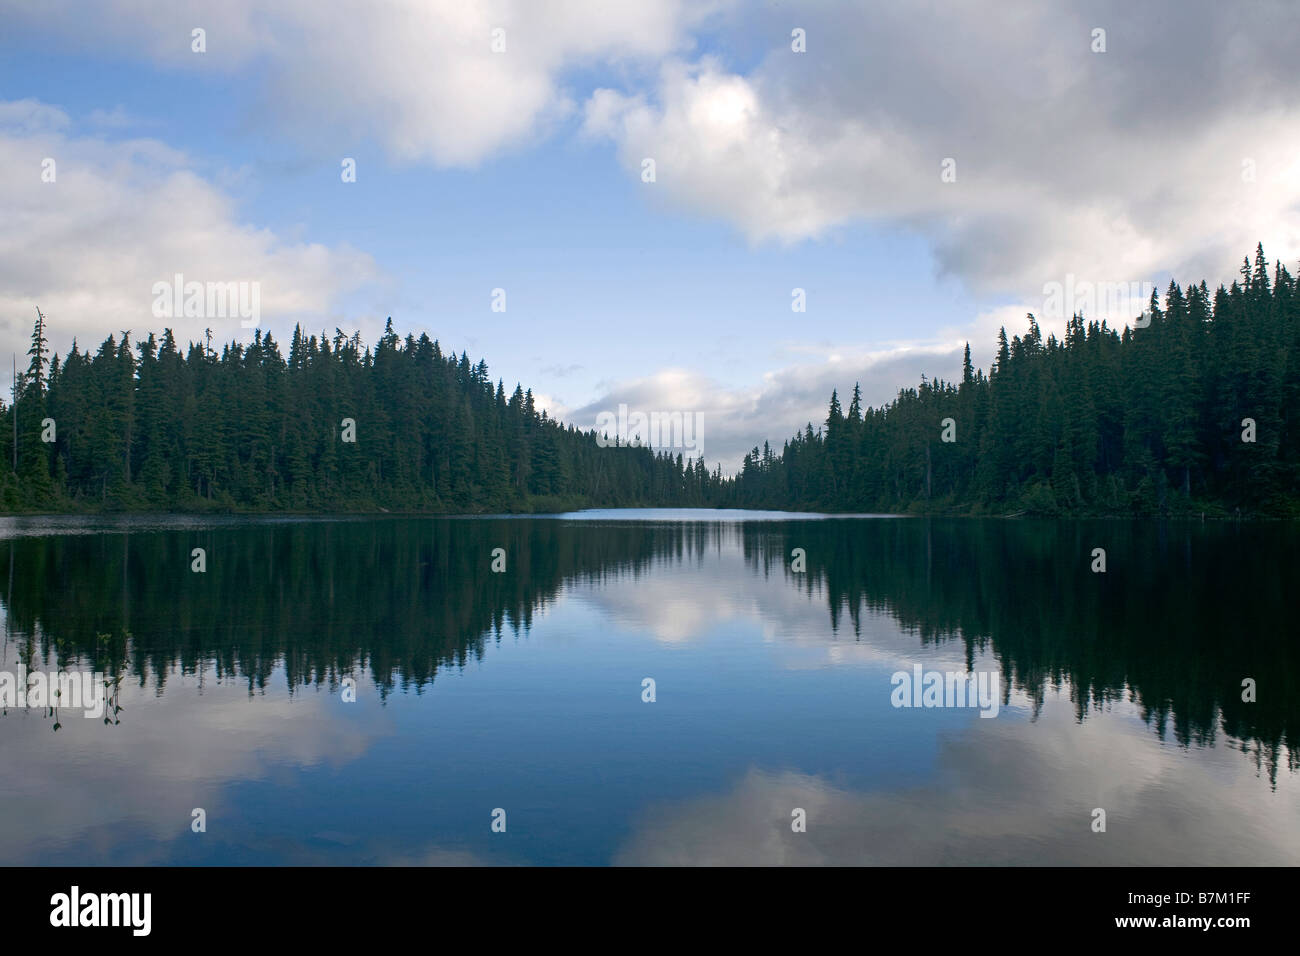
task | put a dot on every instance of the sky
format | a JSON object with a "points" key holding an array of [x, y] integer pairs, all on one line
{"points": [[924, 172]]}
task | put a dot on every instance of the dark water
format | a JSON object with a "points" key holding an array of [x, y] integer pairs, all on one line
{"points": [[523, 691]]}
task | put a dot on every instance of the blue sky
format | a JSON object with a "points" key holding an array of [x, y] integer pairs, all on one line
{"points": [[520, 170]]}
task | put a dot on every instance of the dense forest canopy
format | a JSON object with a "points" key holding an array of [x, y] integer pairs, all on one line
{"points": [[1198, 411], [332, 427], [1195, 412]]}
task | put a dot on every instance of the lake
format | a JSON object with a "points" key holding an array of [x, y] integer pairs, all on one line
{"points": [[653, 687]]}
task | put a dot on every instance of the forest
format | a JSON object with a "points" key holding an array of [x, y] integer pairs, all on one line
{"points": [[334, 427], [1195, 413]]}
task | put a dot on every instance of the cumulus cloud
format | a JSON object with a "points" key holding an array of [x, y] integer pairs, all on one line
{"points": [[420, 77], [1114, 166], [1111, 165], [120, 216]]}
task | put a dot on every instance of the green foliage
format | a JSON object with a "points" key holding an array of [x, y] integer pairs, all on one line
{"points": [[1147, 422], [1144, 422], [147, 428]]}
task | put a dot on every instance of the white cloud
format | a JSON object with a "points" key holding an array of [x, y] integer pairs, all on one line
{"points": [[1113, 166], [418, 76], [1119, 166], [122, 215], [31, 117], [718, 146]]}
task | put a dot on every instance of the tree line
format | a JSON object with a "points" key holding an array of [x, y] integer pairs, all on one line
{"points": [[1197, 411], [335, 426]]}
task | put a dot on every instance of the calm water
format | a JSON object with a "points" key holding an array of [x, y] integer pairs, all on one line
{"points": [[523, 691]]}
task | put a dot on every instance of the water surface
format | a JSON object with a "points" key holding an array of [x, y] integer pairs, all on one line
{"points": [[523, 690]]}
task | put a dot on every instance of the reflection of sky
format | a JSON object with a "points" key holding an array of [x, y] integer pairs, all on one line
{"points": [[1005, 793], [760, 708]]}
